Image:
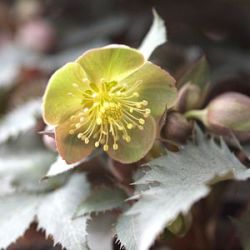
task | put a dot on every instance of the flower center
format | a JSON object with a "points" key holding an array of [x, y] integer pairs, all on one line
{"points": [[109, 111]]}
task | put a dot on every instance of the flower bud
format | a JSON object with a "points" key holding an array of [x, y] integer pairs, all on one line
{"points": [[176, 128], [229, 112], [189, 97]]}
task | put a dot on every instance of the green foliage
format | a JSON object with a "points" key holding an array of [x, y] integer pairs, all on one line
{"points": [[102, 200], [100, 232], [56, 211], [53, 211], [60, 166], [175, 182], [17, 212], [23, 162]]}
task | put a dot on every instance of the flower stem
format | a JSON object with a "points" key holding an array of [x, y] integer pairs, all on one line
{"points": [[200, 115]]}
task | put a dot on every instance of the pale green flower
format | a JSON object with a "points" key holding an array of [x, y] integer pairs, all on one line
{"points": [[109, 97]]}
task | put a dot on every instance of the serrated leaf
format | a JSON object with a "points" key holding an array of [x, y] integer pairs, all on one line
{"points": [[101, 200], [56, 211], [26, 169], [100, 233], [243, 228], [20, 120], [156, 36], [175, 182], [127, 239], [23, 163], [60, 166], [197, 73], [16, 214]]}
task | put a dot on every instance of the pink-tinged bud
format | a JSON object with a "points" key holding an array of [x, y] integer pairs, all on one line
{"points": [[229, 112], [176, 128], [189, 97]]}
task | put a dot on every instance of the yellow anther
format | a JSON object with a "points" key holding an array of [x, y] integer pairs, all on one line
{"points": [[115, 146], [97, 144], [141, 121], [120, 128], [145, 103], [86, 140], [98, 121], [140, 127], [78, 125], [105, 147], [131, 110], [127, 138], [129, 125], [79, 136]]}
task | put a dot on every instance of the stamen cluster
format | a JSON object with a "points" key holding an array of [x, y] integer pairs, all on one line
{"points": [[109, 110]]}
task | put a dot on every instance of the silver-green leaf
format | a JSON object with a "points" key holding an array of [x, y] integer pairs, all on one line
{"points": [[17, 212], [59, 167], [101, 200], [23, 162], [20, 120], [56, 211], [100, 232], [175, 182]]}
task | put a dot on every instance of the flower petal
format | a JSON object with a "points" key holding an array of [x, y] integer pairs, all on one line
{"points": [[61, 99], [140, 144], [110, 63], [157, 87], [69, 146]]}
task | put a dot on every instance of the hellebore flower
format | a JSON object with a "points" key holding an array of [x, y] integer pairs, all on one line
{"points": [[109, 97]]}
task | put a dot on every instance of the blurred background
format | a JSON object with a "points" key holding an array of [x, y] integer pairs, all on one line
{"points": [[37, 37]]}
